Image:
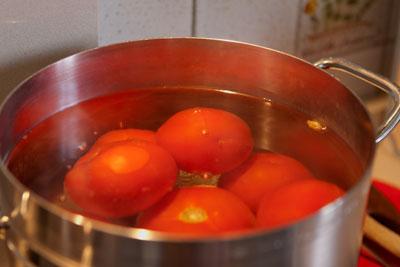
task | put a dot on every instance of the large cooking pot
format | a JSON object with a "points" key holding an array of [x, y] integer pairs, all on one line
{"points": [[337, 143]]}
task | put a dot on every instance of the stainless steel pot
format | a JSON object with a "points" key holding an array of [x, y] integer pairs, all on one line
{"points": [[41, 233]]}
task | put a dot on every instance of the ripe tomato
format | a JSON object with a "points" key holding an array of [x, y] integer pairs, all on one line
{"points": [[125, 135], [199, 210], [121, 178], [295, 201], [118, 136], [206, 140], [261, 174]]}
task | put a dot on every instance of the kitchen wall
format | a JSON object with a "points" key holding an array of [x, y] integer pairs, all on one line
{"points": [[362, 31], [123, 20], [35, 33]]}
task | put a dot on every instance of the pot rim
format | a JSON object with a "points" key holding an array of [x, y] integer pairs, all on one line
{"points": [[151, 235]]}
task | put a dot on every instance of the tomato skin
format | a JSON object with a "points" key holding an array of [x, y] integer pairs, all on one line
{"points": [[126, 135], [262, 173], [198, 210], [118, 136], [206, 140], [295, 201], [121, 178]]}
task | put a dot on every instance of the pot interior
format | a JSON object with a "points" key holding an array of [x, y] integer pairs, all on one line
{"points": [[56, 116]]}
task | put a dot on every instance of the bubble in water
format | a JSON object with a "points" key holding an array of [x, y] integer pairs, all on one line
{"points": [[95, 133], [82, 146], [316, 125], [267, 102], [206, 175], [197, 110]]}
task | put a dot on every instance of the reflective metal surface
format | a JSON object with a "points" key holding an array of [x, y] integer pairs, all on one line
{"points": [[372, 78], [45, 234]]}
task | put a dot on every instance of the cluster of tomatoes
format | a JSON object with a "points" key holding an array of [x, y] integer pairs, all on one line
{"points": [[133, 172]]}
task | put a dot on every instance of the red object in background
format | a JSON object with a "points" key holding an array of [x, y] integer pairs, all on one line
{"points": [[262, 174], [120, 179], [364, 261], [393, 195], [198, 210], [206, 140]]}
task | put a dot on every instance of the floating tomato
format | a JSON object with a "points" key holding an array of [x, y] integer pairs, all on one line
{"points": [[126, 135], [261, 174], [121, 178], [295, 201], [206, 140], [199, 210], [118, 136]]}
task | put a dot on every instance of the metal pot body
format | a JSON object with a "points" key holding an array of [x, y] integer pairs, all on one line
{"points": [[43, 234]]}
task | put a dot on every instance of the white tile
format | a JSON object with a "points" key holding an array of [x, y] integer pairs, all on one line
{"points": [[123, 20], [35, 33], [267, 23]]}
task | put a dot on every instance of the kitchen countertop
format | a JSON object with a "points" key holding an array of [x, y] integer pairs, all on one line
{"points": [[386, 166]]}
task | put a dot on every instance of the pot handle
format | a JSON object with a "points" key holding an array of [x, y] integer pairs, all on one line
{"points": [[372, 78]]}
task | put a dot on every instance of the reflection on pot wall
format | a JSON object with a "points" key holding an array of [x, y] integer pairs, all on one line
{"points": [[362, 31]]}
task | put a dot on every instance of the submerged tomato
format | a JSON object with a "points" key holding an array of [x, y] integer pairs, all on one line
{"points": [[206, 140], [121, 178], [295, 201], [118, 136], [126, 135], [261, 174], [199, 210]]}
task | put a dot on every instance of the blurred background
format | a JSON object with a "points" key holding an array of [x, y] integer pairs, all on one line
{"points": [[35, 33]]}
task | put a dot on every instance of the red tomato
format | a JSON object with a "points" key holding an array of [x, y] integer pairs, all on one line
{"points": [[261, 174], [295, 201], [118, 136], [206, 140], [199, 210], [121, 178], [125, 135]]}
